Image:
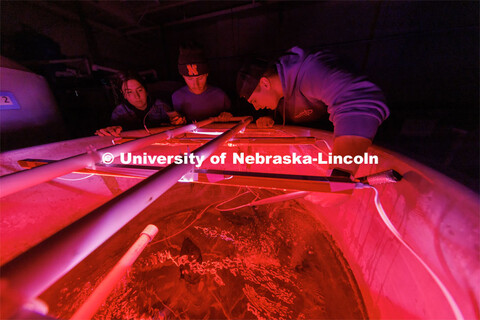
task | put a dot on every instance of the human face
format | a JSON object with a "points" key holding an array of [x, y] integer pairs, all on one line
{"points": [[197, 84], [264, 97], [135, 93]]}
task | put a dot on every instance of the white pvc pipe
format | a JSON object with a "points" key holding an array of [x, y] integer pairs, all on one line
{"points": [[100, 294], [24, 179], [38, 268]]}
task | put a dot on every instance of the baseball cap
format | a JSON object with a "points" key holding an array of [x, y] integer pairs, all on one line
{"points": [[249, 76], [191, 61]]}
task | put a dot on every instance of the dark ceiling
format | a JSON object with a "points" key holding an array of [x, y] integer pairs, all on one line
{"points": [[143, 19]]}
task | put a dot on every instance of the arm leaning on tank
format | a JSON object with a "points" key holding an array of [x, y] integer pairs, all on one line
{"points": [[226, 114], [168, 114], [356, 106], [176, 115], [115, 120]]}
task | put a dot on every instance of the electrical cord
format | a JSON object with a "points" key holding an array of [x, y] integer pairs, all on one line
{"points": [[249, 191], [453, 305], [199, 215], [145, 121]]}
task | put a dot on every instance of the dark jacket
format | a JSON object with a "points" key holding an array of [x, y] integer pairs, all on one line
{"points": [[130, 118]]}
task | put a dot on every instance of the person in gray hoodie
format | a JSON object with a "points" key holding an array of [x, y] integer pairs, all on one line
{"points": [[305, 87]]}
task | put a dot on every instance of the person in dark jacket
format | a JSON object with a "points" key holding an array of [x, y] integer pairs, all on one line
{"points": [[138, 109], [305, 86]]}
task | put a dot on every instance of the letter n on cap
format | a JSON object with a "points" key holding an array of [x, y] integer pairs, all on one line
{"points": [[192, 69]]}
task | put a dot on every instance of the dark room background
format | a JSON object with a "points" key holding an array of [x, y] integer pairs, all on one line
{"points": [[424, 55]]}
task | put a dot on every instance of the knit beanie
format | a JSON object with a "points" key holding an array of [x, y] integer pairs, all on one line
{"points": [[249, 76], [192, 62]]}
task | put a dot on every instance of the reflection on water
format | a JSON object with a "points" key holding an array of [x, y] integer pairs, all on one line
{"points": [[270, 262]]}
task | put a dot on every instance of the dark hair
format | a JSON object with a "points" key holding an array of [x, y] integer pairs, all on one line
{"points": [[123, 77], [250, 74], [271, 70], [120, 79], [191, 55]]}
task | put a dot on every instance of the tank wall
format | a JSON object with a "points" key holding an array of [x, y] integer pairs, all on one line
{"points": [[436, 216], [51, 206], [36, 112]]}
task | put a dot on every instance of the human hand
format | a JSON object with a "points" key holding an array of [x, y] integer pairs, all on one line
{"points": [[176, 118], [265, 122], [224, 117], [349, 146], [109, 131]]}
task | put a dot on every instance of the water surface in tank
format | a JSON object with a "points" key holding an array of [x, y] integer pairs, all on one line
{"points": [[268, 262]]}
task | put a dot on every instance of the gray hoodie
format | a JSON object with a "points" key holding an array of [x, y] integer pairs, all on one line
{"points": [[313, 85]]}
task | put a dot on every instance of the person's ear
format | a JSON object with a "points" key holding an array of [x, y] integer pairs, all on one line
{"points": [[265, 83]]}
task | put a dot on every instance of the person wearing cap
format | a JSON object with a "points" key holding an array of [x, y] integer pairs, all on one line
{"points": [[304, 87], [198, 100]]}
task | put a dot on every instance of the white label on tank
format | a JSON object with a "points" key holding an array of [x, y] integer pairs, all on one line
{"points": [[8, 101]]}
